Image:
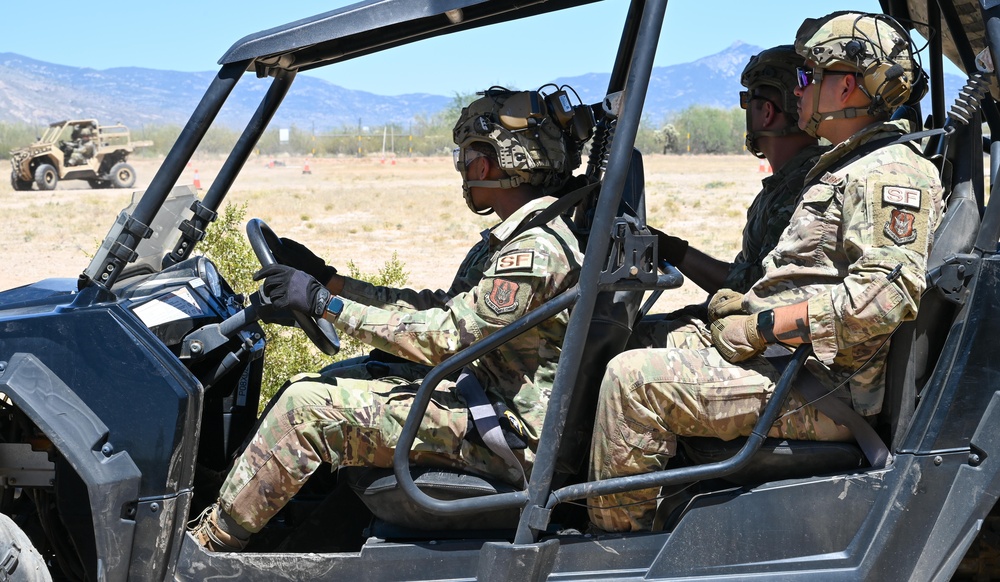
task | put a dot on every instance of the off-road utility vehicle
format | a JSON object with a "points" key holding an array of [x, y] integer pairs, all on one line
{"points": [[128, 390], [64, 152]]}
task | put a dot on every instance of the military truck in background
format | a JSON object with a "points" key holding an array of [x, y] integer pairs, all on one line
{"points": [[64, 152]]}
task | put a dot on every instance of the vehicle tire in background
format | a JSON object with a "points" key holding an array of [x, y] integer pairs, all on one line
{"points": [[19, 560], [17, 183], [122, 175], [46, 177]]}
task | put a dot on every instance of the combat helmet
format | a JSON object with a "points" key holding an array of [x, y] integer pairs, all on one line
{"points": [[86, 132], [774, 67], [874, 45], [537, 137]]}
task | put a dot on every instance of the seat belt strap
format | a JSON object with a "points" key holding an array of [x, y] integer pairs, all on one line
{"points": [[819, 397], [485, 419]]}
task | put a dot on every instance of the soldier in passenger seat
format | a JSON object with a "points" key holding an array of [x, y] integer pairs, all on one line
{"points": [[847, 271]]}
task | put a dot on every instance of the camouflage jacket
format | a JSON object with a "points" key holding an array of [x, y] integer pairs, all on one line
{"points": [[856, 249], [520, 273], [768, 217]]}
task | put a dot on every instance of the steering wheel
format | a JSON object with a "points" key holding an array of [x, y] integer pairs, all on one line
{"points": [[318, 330]]}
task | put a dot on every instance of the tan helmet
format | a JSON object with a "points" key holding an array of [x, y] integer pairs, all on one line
{"points": [[773, 67], [535, 136], [874, 45], [86, 132]]}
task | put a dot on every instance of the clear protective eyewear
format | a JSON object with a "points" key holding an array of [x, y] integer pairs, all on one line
{"points": [[470, 156]]}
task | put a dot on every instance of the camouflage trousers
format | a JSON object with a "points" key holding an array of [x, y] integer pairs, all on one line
{"points": [[650, 397], [345, 422], [670, 330], [369, 368]]}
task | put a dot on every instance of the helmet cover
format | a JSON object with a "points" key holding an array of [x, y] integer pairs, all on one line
{"points": [[533, 144], [874, 45]]}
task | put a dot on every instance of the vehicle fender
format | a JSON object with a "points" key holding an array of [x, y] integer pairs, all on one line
{"points": [[82, 439]]}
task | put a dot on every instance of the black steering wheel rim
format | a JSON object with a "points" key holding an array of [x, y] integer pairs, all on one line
{"points": [[320, 331]]}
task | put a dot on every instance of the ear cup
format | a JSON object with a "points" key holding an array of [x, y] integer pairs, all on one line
{"points": [[886, 80]]}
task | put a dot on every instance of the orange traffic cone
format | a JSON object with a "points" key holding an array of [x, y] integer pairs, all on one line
{"points": [[764, 166], [305, 167], [197, 180]]}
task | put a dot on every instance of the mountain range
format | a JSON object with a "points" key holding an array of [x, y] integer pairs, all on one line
{"points": [[39, 93]]}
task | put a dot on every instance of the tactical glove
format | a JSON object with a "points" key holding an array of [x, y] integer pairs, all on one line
{"points": [[724, 303], [295, 254], [737, 338], [669, 248], [289, 288]]}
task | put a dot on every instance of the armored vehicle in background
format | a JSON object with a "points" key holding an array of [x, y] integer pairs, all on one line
{"points": [[128, 389], [80, 149]]}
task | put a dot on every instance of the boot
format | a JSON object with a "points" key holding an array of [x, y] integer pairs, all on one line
{"points": [[209, 533]]}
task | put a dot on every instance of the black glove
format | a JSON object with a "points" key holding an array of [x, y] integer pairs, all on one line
{"points": [[289, 288], [296, 255], [669, 248]]}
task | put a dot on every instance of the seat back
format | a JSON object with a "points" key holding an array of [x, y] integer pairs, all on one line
{"points": [[397, 516], [916, 345]]}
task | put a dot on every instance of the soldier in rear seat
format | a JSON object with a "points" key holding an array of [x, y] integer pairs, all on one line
{"points": [[847, 271]]}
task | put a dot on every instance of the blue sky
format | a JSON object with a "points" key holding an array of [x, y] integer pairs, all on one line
{"points": [[184, 35]]}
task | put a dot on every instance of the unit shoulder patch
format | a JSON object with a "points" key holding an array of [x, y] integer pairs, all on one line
{"points": [[899, 227], [502, 298]]}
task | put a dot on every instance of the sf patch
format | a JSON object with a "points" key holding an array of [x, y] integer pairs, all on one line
{"points": [[900, 196], [502, 298], [900, 217], [517, 261]]}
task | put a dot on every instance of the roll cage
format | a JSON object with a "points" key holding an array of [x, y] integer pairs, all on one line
{"points": [[375, 25]]}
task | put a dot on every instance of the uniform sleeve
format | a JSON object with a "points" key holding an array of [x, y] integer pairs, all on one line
{"points": [[524, 274], [887, 226], [393, 299]]}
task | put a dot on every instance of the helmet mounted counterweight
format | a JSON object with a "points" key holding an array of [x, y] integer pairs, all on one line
{"points": [[537, 137]]}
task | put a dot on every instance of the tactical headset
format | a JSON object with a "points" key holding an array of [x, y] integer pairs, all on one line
{"points": [[537, 137], [874, 45]]}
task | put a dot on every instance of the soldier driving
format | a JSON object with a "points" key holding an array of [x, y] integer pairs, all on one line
{"points": [[512, 153], [83, 149], [847, 271]]}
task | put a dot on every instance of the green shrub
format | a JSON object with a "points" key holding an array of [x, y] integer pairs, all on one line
{"points": [[289, 351]]}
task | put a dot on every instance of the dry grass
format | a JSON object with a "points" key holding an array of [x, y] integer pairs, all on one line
{"points": [[364, 210]]}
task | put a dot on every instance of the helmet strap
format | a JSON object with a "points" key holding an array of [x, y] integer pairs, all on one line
{"points": [[503, 183], [812, 126]]}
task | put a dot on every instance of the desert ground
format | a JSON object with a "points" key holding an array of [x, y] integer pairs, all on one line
{"points": [[364, 210]]}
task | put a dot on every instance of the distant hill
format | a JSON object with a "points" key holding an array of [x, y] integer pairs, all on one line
{"points": [[39, 93]]}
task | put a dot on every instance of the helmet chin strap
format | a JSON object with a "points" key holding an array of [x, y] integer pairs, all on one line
{"points": [[812, 126], [467, 186], [753, 135]]}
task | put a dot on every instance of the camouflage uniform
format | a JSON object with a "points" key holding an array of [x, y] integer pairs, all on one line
{"points": [[348, 422], [367, 367], [83, 150], [767, 218], [855, 249]]}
